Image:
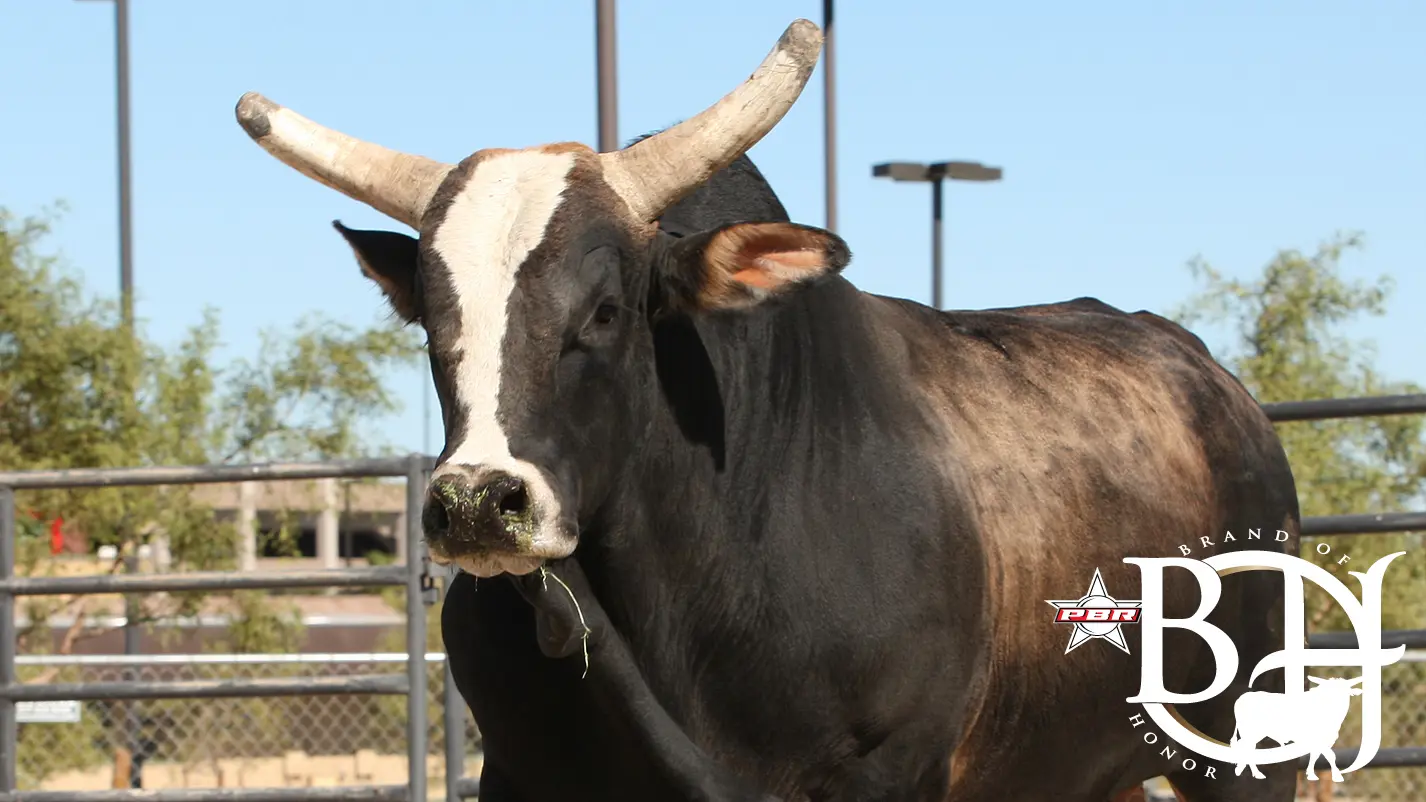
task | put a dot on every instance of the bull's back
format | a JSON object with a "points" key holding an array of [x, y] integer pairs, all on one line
{"points": [[1088, 435]]}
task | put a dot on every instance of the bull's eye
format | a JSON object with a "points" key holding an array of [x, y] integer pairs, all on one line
{"points": [[605, 314]]}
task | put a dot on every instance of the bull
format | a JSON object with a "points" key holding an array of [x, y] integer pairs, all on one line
{"points": [[731, 528], [1313, 719]]}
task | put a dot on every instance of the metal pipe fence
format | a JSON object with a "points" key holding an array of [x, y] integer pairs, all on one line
{"points": [[1361, 525], [416, 578], [361, 793], [1337, 408], [248, 741]]}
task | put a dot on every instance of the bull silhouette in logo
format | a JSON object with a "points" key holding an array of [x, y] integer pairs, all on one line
{"points": [[1312, 719]]}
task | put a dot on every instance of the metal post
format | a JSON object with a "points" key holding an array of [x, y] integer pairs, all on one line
{"points": [[936, 243], [133, 722], [9, 728], [416, 729], [453, 717], [936, 174], [426, 406], [606, 64], [829, 116], [126, 240]]}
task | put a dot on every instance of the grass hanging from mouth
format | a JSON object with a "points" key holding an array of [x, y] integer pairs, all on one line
{"points": [[545, 574]]}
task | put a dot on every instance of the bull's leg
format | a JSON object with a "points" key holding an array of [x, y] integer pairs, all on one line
{"points": [[674, 767], [494, 787], [1312, 765], [1250, 612], [1135, 794], [555, 733], [1251, 742], [1331, 756], [1238, 769], [1280, 783]]}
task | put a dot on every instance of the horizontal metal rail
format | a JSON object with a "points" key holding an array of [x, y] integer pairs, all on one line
{"points": [[307, 658], [1393, 758], [1410, 638], [250, 659], [374, 577], [390, 467], [62, 622], [1333, 408], [1372, 523], [209, 688], [362, 793]]}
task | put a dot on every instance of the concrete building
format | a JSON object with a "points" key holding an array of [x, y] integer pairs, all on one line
{"points": [[331, 521]]}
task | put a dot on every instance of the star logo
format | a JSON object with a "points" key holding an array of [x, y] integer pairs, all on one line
{"points": [[1096, 615]]}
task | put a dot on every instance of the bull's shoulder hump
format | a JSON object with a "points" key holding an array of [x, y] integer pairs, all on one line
{"points": [[1052, 332]]}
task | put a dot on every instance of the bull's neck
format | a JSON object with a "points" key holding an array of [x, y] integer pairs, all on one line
{"points": [[748, 412], [738, 405], [773, 438]]}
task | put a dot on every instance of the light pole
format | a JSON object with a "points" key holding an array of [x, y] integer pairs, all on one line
{"points": [[936, 173], [126, 307], [606, 79], [829, 116], [126, 241]]}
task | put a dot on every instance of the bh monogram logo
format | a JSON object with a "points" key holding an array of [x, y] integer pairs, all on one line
{"points": [[1301, 721]]}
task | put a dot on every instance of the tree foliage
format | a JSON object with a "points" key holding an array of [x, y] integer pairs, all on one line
{"points": [[79, 389], [1286, 342]]}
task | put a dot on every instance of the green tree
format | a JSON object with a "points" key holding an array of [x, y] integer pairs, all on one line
{"points": [[80, 390], [1285, 342]]}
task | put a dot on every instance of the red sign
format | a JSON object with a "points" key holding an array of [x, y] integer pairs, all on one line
{"points": [[1100, 615]]}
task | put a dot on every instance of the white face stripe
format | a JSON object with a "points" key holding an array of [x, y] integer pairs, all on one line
{"points": [[489, 229]]}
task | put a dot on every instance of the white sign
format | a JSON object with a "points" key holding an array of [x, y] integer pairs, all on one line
{"points": [[1305, 723], [1302, 721], [66, 712]]}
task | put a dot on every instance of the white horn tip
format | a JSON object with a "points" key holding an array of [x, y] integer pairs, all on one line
{"points": [[802, 41], [252, 112]]}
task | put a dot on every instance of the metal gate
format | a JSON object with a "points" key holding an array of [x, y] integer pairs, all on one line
{"points": [[415, 576], [1361, 525]]}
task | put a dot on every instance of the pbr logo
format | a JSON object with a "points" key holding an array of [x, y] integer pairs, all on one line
{"points": [[1302, 722], [1096, 615]]}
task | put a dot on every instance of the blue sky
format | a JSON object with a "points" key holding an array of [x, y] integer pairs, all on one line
{"points": [[1133, 135]]}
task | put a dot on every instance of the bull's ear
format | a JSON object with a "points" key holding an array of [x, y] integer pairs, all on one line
{"points": [[741, 265], [392, 261]]}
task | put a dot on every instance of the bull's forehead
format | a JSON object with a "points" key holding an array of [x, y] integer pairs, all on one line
{"points": [[493, 222]]}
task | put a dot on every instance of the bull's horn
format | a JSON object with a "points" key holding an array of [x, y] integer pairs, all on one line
{"points": [[399, 185], [653, 174]]}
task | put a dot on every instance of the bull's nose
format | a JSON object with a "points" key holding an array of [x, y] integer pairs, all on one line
{"points": [[460, 507], [507, 496]]}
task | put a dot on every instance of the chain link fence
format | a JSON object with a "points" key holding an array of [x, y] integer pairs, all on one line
{"points": [[348, 740], [1403, 724], [302, 741]]}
